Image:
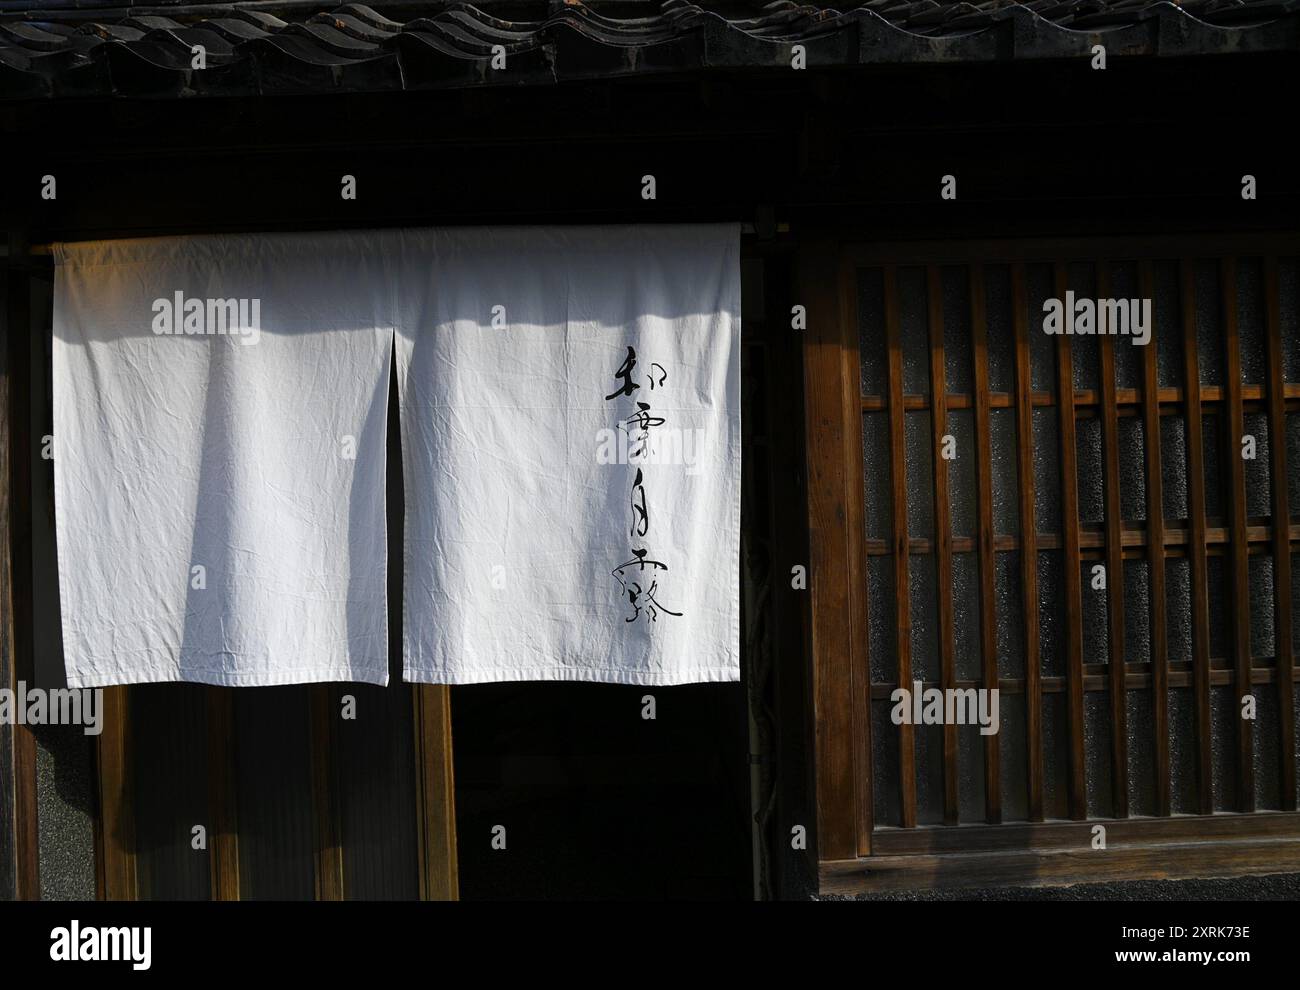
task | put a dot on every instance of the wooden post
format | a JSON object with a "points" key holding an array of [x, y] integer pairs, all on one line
{"points": [[839, 685], [1283, 650], [1114, 557], [324, 788], [987, 562], [1024, 405], [115, 824], [1156, 554], [8, 860], [436, 804], [19, 859], [1197, 535], [1073, 563], [943, 536]]}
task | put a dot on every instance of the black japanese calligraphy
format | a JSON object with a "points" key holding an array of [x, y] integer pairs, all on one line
{"points": [[632, 574]]}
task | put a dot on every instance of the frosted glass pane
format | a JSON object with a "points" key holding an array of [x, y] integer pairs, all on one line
{"points": [[1259, 490], [884, 759], [1141, 754], [1213, 445], [1047, 471], [1288, 294], [1056, 756], [1088, 443], [877, 489], [1261, 607], [1268, 749], [880, 620], [1167, 315], [1039, 286], [924, 615], [956, 329], [1081, 278], [913, 323], [1295, 611], [1137, 611], [1224, 716], [966, 616], [1183, 788], [1295, 713], [1132, 468], [1012, 753], [962, 493], [929, 774], [1051, 614], [970, 773], [1209, 322], [1178, 609], [1096, 614], [1250, 321], [1006, 507], [1293, 460], [1128, 356], [1217, 586], [1173, 466], [920, 475], [871, 332], [1096, 741], [1001, 331], [1010, 617]]}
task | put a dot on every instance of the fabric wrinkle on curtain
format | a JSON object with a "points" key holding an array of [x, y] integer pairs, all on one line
{"points": [[220, 417]]}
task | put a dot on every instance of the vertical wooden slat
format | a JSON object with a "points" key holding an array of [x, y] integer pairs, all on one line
{"points": [[795, 798], [1282, 618], [223, 840], [902, 587], [1028, 542], [18, 536], [984, 511], [436, 807], [1073, 563], [1196, 545], [856, 533], [115, 824], [1114, 558], [324, 788], [1239, 550], [8, 852], [1156, 551], [942, 535], [828, 495]]}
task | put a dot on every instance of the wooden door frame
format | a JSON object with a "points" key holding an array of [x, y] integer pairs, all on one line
{"points": [[19, 846], [433, 781], [114, 827], [835, 527]]}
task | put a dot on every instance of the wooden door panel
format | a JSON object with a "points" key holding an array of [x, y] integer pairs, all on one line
{"points": [[1105, 557]]}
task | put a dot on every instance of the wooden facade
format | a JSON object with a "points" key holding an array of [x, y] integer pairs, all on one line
{"points": [[834, 173]]}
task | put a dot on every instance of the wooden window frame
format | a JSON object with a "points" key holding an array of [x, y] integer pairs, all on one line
{"points": [[853, 855]]}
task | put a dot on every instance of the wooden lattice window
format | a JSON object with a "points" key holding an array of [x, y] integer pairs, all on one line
{"points": [[1072, 461]]}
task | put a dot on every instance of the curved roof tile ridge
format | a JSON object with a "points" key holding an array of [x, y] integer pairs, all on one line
{"points": [[353, 47]]}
